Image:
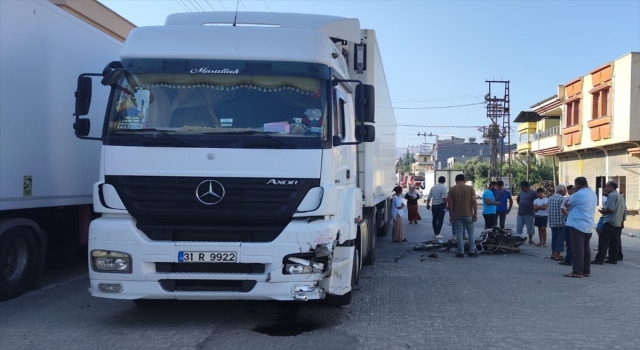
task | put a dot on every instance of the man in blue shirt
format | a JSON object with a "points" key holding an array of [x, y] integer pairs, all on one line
{"points": [[503, 196], [582, 208]]}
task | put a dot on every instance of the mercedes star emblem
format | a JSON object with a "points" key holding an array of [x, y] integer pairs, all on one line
{"points": [[210, 192]]}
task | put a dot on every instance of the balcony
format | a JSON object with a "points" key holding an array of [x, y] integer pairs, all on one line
{"points": [[528, 126], [547, 142], [523, 147]]}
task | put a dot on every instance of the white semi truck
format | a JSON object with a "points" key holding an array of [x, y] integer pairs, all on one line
{"points": [[244, 156], [46, 173]]}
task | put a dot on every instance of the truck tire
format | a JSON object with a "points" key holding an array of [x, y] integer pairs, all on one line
{"points": [[382, 231], [345, 299], [18, 260], [371, 256], [384, 228]]}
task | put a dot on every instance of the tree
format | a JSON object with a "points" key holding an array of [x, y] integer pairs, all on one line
{"points": [[404, 163], [540, 173], [476, 170]]}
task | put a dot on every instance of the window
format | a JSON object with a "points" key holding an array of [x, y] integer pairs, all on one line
{"points": [[482, 152], [573, 113], [600, 103], [338, 119]]}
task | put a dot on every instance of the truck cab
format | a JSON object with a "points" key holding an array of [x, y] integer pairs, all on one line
{"points": [[238, 160]]}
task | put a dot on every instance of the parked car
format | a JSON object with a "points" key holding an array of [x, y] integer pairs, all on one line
{"points": [[417, 181]]}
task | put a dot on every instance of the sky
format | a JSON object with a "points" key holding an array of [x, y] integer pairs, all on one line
{"points": [[438, 54]]}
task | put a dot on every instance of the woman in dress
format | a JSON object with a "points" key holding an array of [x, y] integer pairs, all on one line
{"points": [[397, 213], [412, 204]]}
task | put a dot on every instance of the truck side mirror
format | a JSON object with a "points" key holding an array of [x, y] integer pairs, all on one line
{"points": [[81, 127], [112, 77], [365, 103], [83, 95], [365, 133]]}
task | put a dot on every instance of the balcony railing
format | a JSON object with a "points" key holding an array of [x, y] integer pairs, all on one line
{"points": [[547, 133]]}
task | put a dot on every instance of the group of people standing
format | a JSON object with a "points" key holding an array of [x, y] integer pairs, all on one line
{"points": [[459, 200], [570, 214]]}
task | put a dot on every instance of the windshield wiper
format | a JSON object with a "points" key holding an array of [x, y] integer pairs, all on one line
{"points": [[164, 132], [251, 132]]}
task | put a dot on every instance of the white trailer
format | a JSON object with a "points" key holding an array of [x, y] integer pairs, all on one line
{"points": [[431, 178], [248, 158], [46, 173]]}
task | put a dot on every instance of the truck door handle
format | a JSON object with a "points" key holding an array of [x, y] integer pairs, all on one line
{"points": [[348, 174]]}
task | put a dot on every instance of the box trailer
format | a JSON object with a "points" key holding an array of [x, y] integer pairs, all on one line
{"points": [[46, 173]]}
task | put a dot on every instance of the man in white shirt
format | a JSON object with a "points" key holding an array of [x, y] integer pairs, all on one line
{"points": [[438, 194], [541, 216]]}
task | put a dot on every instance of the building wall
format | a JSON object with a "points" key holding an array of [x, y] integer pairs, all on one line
{"points": [[468, 150], [547, 123], [634, 93], [623, 76], [621, 86], [593, 166], [607, 158]]}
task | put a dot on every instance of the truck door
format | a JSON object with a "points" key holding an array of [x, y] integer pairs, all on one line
{"points": [[343, 125]]}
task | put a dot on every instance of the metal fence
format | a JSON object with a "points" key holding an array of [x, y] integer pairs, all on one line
{"points": [[547, 133]]}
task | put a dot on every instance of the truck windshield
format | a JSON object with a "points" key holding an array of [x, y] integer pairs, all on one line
{"points": [[211, 105]]}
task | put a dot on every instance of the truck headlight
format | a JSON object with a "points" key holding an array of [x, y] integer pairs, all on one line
{"points": [[302, 266], [108, 261]]}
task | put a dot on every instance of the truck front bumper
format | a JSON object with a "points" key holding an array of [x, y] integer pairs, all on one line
{"points": [[156, 272]]}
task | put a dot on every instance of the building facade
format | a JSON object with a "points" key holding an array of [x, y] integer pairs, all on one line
{"points": [[457, 148], [423, 164], [592, 127]]}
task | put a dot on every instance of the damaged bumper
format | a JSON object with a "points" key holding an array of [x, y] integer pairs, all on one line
{"points": [[292, 267]]}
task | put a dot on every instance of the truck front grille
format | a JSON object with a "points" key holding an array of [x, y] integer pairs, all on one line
{"points": [[251, 210], [207, 286], [210, 268]]}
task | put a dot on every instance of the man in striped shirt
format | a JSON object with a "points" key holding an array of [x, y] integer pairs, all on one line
{"points": [[556, 222]]}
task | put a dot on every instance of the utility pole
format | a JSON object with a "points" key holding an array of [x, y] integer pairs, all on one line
{"points": [[499, 129]]}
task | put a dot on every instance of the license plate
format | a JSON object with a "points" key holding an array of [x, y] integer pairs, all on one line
{"points": [[207, 257]]}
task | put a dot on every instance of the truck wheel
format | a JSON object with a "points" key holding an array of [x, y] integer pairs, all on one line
{"points": [[345, 299], [382, 231], [17, 262], [371, 257]]}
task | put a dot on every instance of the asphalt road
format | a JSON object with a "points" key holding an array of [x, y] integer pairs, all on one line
{"points": [[404, 301]]}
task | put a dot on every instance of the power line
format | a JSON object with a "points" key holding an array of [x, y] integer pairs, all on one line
{"points": [[268, 8], [243, 5], [444, 98], [439, 126], [224, 7], [191, 4], [440, 107], [207, 1], [181, 3], [200, 6]]}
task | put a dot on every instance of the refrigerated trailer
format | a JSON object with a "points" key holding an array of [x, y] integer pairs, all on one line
{"points": [[431, 179], [245, 156], [46, 173]]}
